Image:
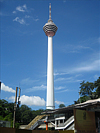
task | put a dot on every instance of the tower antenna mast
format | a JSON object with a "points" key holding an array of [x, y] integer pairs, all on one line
{"points": [[50, 11]]}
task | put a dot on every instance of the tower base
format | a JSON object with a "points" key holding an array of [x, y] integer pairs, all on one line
{"points": [[50, 107]]}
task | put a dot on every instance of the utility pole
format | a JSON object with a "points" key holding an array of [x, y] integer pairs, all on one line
{"points": [[15, 105], [0, 89]]}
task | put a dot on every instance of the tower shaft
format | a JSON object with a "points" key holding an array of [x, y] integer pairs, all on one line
{"points": [[50, 79]]}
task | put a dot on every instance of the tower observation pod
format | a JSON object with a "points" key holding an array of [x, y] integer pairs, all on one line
{"points": [[50, 29]]}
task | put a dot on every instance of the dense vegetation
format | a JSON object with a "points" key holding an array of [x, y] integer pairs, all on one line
{"points": [[24, 114], [89, 91]]}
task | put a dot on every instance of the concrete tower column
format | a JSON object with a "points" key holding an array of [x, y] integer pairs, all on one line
{"points": [[50, 80]]}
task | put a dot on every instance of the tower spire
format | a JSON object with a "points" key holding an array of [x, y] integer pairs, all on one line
{"points": [[50, 11]]}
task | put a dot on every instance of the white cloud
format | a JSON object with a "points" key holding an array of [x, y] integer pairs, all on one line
{"points": [[24, 15], [6, 88], [16, 19], [59, 102], [69, 79], [21, 8], [60, 73], [86, 66], [24, 6], [30, 100], [14, 12], [27, 16], [36, 88], [28, 81], [36, 19], [81, 46], [91, 66], [21, 21], [60, 79], [62, 91], [59, 88], [12, 98], [40, 87], [73, 48]]}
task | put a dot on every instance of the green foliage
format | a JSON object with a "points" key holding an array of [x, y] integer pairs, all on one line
{"points": [[8, 117], [1, 118], [61, 105], [97, 86], [12, 123], [83, 99], [89, 91], [17, 125], [86, 88], [24, 108], [24, 114]]}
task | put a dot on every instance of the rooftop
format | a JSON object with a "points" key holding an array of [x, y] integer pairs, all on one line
{"points": [[92, 105]]}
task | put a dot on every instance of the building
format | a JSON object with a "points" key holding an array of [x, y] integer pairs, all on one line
{"points": [[83, 117], [80, 117], [50, 29], [5, 123]]}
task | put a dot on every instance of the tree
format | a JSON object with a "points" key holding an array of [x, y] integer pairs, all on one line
{"points": [[8, 117], [24, 114], [26, 117], [89, 90], [97, 86], [6, 108], [24, 108], [86, 88], [38, 112], [61, 105]]}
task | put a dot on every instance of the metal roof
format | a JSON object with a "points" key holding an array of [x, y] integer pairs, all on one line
{"points": [[86, 104]]}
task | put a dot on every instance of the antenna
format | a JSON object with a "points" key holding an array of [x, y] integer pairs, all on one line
{"points": [[50, 11]]}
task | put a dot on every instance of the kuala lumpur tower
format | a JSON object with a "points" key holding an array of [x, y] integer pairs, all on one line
{"points": [[50, 29]]}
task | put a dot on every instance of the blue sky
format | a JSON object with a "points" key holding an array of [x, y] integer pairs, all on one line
{"points": [[23, 48]]}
